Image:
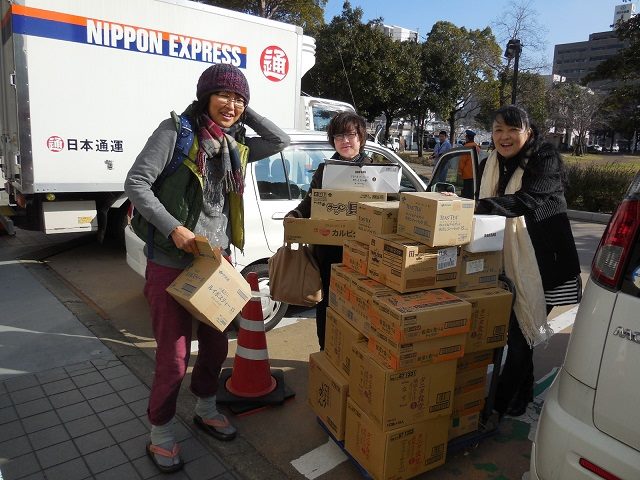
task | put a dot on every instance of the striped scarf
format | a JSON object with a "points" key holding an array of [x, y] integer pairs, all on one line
{"points": [[218, 161]]}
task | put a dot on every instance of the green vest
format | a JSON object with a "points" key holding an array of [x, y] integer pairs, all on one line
{"points": [[181, 194]]}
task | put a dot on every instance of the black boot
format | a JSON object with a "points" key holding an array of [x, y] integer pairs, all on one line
{"points": [[519, 403]]}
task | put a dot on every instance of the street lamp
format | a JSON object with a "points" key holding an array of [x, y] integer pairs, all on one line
{"points": [[513, 50]]}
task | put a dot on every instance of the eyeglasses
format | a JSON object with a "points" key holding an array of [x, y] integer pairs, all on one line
{"points": [[238, 102], [341, 137]]}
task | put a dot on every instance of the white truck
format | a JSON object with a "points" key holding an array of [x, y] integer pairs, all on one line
{"points": [[84, 83]]}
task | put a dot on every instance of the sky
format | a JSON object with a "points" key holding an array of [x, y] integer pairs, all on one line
{"points": [[567, 21]]}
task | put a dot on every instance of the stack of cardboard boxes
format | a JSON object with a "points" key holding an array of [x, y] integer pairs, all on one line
{"points": [[405, 361]]}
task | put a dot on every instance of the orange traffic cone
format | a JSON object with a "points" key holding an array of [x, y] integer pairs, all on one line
{"points": [[251, 375]]}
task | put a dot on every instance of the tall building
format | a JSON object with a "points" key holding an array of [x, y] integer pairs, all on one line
{"points": [[575, 60], [399, 33]]}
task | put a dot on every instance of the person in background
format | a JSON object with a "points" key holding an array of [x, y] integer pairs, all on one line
{"points": [[524, 180], [465, 165], [202, 197], [347, 133], [441, 147]]}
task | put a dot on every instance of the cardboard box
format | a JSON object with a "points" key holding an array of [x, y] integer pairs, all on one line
{"points": [[409, 355], [355, 255], [468, 402], [398, 398], [211, 289], [487, 234], [463, 425], [435, 219], [413, 317], [339, 339], [335, 204], [397, 454], [472, 379], [375, 218], [318, 232], [339, 287], [407, 265], [473, 360], [327, 394], [490, 312], [478, 270], [365, 178], [362, 291]]}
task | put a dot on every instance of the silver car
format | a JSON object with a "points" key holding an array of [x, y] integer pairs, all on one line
{"points": [[590, 425]]}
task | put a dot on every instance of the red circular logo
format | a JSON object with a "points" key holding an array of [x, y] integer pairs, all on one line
{"points": [[55, 143], [274, 63]]}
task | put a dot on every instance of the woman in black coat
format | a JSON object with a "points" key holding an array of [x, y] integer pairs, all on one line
{"points": [[524, 180], [347, 133]]}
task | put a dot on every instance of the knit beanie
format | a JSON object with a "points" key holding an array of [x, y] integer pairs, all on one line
{"points": [[222, 77]]}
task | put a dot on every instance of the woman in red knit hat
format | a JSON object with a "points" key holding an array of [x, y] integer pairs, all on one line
{"points": [[202, 197]]}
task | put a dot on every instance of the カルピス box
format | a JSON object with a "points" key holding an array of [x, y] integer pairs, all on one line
{"points": [[435, 219], [407, 265], [396, 454], [211, 288], [335, 204], [327, 395], [318, 231]]}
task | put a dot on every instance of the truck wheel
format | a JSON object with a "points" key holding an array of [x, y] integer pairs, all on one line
{"points": [[116, 223], [272, 311]]}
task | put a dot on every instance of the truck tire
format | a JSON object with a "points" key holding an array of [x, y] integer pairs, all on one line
{"points": [[116, 223], [272, 311]]}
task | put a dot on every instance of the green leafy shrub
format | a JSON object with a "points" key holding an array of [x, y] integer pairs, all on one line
{"points": [[596, 188]]}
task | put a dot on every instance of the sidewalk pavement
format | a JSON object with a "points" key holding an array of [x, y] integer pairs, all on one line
{"points": [[69, 408]]}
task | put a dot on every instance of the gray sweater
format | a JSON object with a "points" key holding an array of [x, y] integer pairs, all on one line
{"points": [[158, 151]]}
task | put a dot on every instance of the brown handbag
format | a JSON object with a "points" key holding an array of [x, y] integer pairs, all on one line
{"points": [[294, 276]]}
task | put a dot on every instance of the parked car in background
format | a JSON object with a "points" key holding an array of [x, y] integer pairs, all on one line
{"points": [[485, 145], [394, 144], [615, 148], [594, 148], [273, 187], [589, 424]]}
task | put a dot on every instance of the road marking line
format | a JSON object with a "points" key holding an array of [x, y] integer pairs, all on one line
{"points": [[319, 460]]}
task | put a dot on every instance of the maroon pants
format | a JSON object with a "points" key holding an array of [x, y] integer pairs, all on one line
{"points": [[172, 331]]}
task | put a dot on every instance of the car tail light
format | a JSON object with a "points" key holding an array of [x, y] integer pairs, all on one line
{"points": [[616, 242], [601, 472]]}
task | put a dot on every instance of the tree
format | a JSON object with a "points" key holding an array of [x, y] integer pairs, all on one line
{"points": [[455, 65], [574, 107], [357, 63], [307, 14], [519, 20]]}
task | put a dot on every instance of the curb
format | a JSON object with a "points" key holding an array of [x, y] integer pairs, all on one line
{"points": [[590, 217]]}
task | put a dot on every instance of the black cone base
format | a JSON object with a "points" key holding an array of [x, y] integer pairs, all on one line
{"points": [[238, 405]]}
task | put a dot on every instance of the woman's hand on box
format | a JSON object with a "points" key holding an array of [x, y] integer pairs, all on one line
{"points": [[185, 240]]}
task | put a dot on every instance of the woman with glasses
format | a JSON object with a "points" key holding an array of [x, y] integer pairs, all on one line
{"points": [[347, 133], [203, 196]]}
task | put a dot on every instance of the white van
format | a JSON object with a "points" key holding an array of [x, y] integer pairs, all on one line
{"points": [[274, 186]]}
